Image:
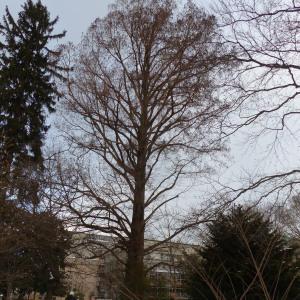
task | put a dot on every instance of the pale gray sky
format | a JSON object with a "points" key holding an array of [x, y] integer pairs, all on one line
{"points": [[75, 16]]}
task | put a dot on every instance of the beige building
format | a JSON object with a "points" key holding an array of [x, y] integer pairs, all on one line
{"points": [[94, 273]]}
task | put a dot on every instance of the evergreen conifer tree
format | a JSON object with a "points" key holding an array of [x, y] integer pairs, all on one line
{"points": [[27, 93], [33, 245], [244, 257]]}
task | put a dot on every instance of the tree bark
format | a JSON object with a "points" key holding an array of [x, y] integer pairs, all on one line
{"points": [[134, 273]]}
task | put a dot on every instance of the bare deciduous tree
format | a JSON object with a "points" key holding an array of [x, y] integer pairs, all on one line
{"points": [[142, 116], [265, 88], [286, 215]]}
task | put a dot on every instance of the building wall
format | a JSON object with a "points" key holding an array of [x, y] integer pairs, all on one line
{"points": [[101, 277]]}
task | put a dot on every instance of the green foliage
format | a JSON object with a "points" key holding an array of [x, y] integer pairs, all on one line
{"points": [[33, 248], [238, 244], [27, 88]]}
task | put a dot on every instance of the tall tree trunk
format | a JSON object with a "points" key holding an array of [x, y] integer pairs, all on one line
{"points": [[134, 273]]}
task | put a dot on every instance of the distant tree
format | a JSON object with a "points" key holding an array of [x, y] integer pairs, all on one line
{"points": [[286, 214], [244, 257], [27, 90], [11, 244], [33, 249], [52, 243]]}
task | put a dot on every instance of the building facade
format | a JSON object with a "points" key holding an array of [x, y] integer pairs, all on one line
{"points": [[97, 274]]}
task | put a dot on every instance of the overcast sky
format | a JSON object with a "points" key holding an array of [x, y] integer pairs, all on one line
{"points": [[76, 15]]}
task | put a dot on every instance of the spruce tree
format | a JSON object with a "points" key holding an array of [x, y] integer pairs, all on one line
{"points": [[225, 266], [27, 92]]}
